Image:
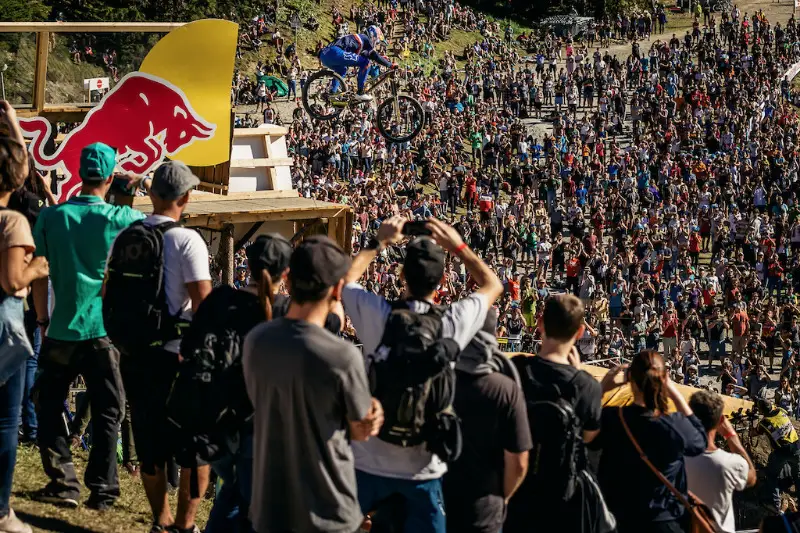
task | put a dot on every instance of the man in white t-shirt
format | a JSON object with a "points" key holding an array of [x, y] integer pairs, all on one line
{"points": [[714, 475], [148, 376]]}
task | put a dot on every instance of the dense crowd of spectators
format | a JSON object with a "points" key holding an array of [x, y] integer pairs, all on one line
{"points": [[647, 221]]}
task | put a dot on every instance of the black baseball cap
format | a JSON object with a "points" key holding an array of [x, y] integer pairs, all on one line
{"points": [[424, 261], [317, 263], [270, 252]]}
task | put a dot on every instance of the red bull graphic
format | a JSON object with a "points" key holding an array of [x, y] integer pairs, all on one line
{"points": [[144, 117]]}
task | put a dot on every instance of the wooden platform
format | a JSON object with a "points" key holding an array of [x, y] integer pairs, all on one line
{"points": [[217, 212], [245, 214]]}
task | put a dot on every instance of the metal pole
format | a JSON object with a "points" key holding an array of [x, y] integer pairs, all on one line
{"points": [[3, 83]]}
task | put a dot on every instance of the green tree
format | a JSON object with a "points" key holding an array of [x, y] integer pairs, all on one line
{"points": [[23, 10]]}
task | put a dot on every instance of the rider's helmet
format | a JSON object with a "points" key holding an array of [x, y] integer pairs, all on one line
{"points": [[375, 35]]}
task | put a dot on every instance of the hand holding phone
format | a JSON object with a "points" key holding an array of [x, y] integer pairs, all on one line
{"points": [[416, 228]]}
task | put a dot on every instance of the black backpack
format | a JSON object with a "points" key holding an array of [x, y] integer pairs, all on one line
{"points": [[208, 402], [557, 435], [135, 309], [412, 375]]}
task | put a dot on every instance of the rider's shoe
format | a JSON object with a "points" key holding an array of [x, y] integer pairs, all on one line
{"points": [[361, 97]]}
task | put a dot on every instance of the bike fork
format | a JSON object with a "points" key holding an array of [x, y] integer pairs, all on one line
{"points": [[396, 103]]}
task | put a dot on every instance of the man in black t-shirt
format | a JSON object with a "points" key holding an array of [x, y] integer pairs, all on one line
{"points": [[558, 364], [494, 425]]}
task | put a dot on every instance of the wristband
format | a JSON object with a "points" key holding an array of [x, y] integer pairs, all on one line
{"points": [[729, 435], [43, 323], [461, 247]]}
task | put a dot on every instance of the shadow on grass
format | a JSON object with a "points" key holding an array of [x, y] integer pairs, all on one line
{"points": [[51, 524]]}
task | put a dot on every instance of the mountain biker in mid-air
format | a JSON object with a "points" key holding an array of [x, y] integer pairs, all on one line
{"points": [[355, 50]]}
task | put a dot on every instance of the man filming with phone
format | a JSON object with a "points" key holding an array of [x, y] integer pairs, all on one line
{"points": [[400, 461]]}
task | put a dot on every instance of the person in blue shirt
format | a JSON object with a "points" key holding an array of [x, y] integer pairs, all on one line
{"points": [[355, 50]]}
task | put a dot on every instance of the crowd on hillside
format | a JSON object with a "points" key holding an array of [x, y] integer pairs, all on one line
{"points": [[653, 229], [663, 196]]}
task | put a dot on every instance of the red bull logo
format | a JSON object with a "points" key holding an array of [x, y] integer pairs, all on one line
{"points": [[144, 117]]}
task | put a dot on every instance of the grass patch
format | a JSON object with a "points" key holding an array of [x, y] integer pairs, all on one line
{"points": [[131, 512]]}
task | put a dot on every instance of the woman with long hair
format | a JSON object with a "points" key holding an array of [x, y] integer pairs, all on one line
{"points": [[18, 268], [636, 496]]}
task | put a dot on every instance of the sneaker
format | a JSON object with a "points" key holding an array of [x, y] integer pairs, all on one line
{"points": [[359, 97], [175, 529], [11, 524], [159, 529], [48, 496], [98, 504], [132, 469]]}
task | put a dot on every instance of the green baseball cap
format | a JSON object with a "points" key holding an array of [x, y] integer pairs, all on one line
{"points": [[97, 162]]}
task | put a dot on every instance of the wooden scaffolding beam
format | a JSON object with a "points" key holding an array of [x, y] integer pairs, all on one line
{"points": [[43, 31], [90, 27]]}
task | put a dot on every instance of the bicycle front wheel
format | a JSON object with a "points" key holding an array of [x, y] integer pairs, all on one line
{"points": [[400, 118], [321, 95]]}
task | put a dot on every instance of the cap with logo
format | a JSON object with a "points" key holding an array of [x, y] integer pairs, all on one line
{"points": [[270, 252], [317, 263], [172, 180], [97, 162]]}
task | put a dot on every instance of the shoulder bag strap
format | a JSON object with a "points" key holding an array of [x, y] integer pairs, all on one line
{"points": [[650, 465], [786, 524]]}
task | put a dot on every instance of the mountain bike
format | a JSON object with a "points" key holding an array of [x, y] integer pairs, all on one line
{"points": [[399, 118]]}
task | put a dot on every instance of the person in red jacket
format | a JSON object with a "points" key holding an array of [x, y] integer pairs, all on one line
{"points": [[573, 272], [694, 247], [670, 330], [740, 324]]}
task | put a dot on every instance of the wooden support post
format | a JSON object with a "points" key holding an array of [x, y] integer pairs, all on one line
{"points": [[40, 74], [333, 229], [348, 231], [226, 253], [272, 174]]}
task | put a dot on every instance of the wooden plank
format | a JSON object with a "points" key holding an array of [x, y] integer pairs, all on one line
{"points": [[221, 220], [333, 228], [89, 27], [214, 185], [348, 231], [272, 177], [40, 73], [268, 162], [274, 131]]}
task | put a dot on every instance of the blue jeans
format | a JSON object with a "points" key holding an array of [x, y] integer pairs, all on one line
{"points": [[338, 60], [14, 350], [231, 506], [424, 501], [30, 425]]}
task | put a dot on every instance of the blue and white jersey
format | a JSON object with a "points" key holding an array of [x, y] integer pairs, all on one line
{"points": [[355, 43]]}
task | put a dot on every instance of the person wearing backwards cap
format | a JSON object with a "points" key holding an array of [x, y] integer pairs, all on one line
{"points": [[75, 238], [384, 469], [148, 376], [310, 394], [268, 262]]}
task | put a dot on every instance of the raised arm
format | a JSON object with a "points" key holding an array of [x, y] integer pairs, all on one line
{"points": [[390, 232]]}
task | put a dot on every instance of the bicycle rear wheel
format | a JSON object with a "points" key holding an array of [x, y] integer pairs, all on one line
{"points": [[320, 95], [400, 118]]}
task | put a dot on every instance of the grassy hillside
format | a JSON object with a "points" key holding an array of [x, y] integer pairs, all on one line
{"points": [[64, 78]]}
